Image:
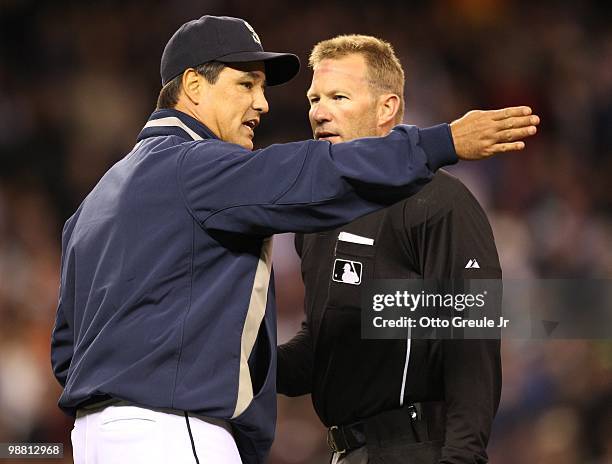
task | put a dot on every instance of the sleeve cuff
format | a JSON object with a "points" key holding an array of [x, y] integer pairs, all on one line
{"points": [[437, 141]]}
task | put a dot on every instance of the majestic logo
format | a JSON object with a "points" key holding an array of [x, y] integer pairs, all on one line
{"points": [[472, 264], [253, 33], [347, 272]]}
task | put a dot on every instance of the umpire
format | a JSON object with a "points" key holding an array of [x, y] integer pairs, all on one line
{"points": [[390, 401], [165, 334]]}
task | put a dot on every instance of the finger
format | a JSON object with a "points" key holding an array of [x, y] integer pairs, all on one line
{"points": [[510, 112], [516, 122], [504, 147], [511, 135]]}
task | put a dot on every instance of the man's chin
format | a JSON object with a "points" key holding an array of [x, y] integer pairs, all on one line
{"points": [[245, 143], [246, 140]]}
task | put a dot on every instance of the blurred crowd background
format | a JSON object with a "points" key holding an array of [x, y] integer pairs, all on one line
{"points": [[79, 79]]}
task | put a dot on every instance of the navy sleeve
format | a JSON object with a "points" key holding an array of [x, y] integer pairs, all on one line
{"points": [[452, 236], [307, 186], [62, 338]]}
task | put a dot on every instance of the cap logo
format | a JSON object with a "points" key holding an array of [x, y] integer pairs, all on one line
{"points": [[253, 33]]}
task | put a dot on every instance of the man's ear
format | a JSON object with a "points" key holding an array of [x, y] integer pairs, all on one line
{"points": [[387, 107], [192, 85]]}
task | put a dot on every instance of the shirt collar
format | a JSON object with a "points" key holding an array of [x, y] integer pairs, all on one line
{"points": [[174, 122]]}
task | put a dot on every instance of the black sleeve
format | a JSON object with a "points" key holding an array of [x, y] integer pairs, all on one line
{"points": [[471, 368], [295, 358]]}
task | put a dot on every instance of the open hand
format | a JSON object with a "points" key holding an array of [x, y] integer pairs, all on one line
{"points": [[480, 134]]}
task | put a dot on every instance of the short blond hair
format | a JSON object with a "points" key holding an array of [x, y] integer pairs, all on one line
{"points": [[385, 73]]}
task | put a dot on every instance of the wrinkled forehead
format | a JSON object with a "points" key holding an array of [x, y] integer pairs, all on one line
{"points": [[347, 71], [352, 66]]}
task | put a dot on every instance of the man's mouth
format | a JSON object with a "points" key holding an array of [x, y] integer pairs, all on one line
{"points": [[251, 124], [325, 135]]}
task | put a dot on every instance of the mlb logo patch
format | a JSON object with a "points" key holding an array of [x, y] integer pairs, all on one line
{"points": [[347, 272]]}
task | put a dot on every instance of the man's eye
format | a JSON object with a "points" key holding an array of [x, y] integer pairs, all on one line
{"points": [[247, 85], [339, 97], [313, 100]]}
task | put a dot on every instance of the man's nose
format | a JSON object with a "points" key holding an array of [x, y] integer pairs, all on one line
{"points": [[319, 113], [260, 104]]}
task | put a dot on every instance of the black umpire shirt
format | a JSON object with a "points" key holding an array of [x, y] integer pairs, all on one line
{"points": [[433, 234]]}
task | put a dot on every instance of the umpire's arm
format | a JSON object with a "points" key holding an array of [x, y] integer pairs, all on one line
{"points": [[471, 368], [295, 358], [294, 370]]}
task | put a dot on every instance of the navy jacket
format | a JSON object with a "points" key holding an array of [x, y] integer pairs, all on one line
{"points": [[166, 295]]}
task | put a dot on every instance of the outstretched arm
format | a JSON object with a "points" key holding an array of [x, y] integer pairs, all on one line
{"points": [[313, 185]]}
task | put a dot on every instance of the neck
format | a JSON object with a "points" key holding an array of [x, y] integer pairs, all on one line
{"points": [[381, 131], [187, 109], [190, 109]]}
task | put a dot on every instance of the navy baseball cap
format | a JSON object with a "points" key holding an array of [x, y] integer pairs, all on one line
{"points": [[224, 39]]}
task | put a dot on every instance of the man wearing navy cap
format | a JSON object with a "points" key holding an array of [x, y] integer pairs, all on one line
{"points": [[165, 336]]}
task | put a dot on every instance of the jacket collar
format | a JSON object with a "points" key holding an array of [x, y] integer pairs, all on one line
{"points": [[174, 122]]}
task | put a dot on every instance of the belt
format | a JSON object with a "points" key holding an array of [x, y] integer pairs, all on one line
{"points": [[101, 405], [343, 438]]}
